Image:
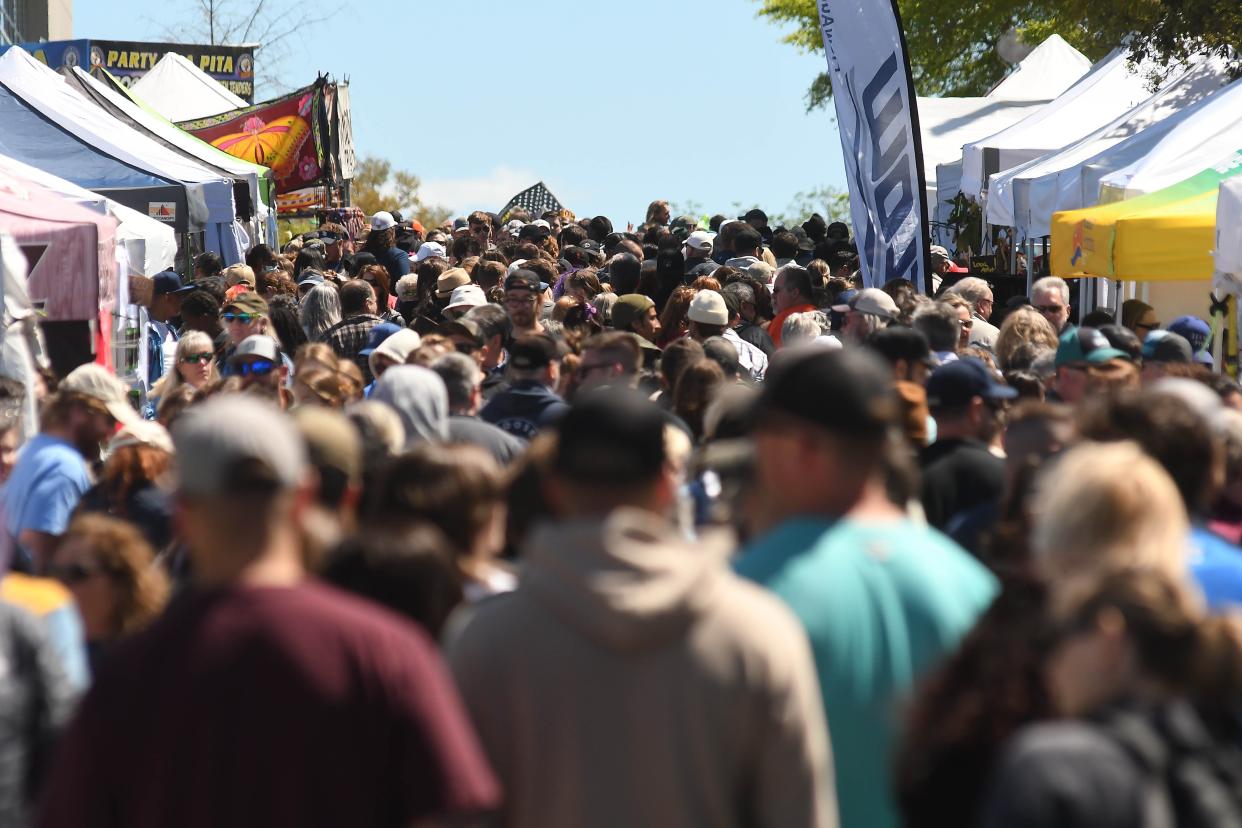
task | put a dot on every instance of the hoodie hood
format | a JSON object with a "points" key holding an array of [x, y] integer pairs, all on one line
{"points": [[396, 347], [629, 581], [418, 395]]}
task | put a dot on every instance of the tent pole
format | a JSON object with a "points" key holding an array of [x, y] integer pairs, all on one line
{"points": [[1030, 267]]}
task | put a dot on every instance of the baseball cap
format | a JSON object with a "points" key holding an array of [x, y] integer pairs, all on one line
{"points": [[449, 280], [1086, 345], [383, 221], [869, 300], [248, 302], [99, 384], [630, 308], [1166, 346], [846, 391], [169, 282], [528, 353], [259, 346], [428, 249], [332, 444], [956, 383], [466, 296], [591, 245], [899, 342], [610, 436], [310, 278], [1198, 333], [237, 444], [463, 327], [522, 279], [708, 308], [939, 250], [700, 240], [142, 433], [378, 334]]}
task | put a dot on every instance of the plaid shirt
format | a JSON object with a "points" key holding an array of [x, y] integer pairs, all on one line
{"points": [[349, 336]]}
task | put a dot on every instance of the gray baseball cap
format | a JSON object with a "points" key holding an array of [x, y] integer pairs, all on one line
{"points": [[236, 444]]}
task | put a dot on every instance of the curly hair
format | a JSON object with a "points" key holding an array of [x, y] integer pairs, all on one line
{"points": [[1022, 326], [124, 555]]}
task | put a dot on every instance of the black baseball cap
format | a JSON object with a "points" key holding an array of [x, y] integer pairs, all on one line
{"points": [[956, 383], [899, 342], [844, 391], [612, 436], [530, 353], [523, 279]]}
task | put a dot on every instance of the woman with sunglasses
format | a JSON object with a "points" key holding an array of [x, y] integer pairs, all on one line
{"points": [[377, 277], [116, 584], [195, 366]]}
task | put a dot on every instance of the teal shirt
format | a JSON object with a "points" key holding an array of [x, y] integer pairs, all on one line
{"points": [[881, 602]]}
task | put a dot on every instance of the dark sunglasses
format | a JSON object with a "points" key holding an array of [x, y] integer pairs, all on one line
{"points": [[254, 368], [465, 347], [200, 359], [74, 573], [244, 318], [1050, 308]]}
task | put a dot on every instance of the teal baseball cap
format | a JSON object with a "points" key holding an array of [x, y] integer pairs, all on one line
{"points": [[1086, 346]]}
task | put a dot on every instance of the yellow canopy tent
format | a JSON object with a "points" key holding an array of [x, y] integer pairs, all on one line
{"points": [[1167, 235]]}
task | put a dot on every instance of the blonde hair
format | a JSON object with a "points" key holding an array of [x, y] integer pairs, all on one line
{"points": [[191, 342], [1024, 325], [1104, 507]]}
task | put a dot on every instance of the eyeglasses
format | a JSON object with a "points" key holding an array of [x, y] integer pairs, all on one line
{"points": [[74, 573], [254, 368], [1154, 326], [517, 302], [244, 318], [199, 359], [1050, 308]]}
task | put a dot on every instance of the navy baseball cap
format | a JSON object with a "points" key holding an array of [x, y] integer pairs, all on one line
{"points": [[169, 282], [1198, 333], [956, 383]]}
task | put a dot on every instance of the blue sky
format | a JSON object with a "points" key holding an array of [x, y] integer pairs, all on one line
{"points": [[611, 106]]}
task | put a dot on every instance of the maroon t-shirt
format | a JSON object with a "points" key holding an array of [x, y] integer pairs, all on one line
{"points": [[262, 706]]}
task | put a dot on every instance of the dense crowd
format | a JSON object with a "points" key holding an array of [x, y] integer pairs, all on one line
{"points": [[527, 520]]}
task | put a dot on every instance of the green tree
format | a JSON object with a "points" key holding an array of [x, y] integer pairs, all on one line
{"points": [[376, 186], [830, 202], [953, 46]]}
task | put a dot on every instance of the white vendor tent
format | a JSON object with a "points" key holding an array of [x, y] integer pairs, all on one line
{"points": [[150, 246], [40, 90], [1026, 196], [1229, 235], [1111, 88], [1051, 68], [180, 91]]}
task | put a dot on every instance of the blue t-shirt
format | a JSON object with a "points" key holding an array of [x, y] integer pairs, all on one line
{"points": [[48, 480], [881, 603], [1216, 566]]}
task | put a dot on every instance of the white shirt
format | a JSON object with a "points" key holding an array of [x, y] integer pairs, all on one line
{"points": [[753, 361]]}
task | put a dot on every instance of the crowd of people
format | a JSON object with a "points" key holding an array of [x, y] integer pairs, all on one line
{"points": [[530, 521]]}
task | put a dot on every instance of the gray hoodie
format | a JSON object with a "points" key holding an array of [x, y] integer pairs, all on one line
{"points": [[418, 395], [633, 679]]}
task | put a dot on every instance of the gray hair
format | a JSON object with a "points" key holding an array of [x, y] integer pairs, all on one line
{"points": [[1052, 283], [320, 310], [461, 377], [940, 324], [740, 291], [972, 289], [603, 306], [802, 327]]}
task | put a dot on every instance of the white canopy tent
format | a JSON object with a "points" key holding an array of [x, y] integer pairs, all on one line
{"points": [[1111, 88], [210, 197], [180, 91], [1051, 68], [1026, 196], [150, 245], [1229, 236]]}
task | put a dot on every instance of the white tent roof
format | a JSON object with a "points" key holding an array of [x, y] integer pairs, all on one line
{"points": [[1050, 69], [210, 196], [1111, 88], [180, 91], [1205, 137], [1229, 228], [1026, 196], [150, 245]]}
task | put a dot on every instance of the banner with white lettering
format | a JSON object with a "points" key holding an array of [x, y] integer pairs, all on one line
{"points": [[878, 122]]}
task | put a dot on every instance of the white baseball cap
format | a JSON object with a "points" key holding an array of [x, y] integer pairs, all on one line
{"points": [[708, 308], [700, 240], [99, 384], [466, 296], [428, 249], [383, 221]]}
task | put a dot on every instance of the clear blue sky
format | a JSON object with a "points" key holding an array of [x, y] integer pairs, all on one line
{"points": [[611, 105]]}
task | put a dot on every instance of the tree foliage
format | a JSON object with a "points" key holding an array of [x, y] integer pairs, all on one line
{"points": [[377, 186], [953, 45], [830, 202]]}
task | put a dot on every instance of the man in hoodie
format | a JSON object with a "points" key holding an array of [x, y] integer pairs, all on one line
{"points": [[418, 396], [881, 597], [529, 403], [747, 248], [643, 683]]}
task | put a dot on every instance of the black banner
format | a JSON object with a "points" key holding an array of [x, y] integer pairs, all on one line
{"points": [[232, 66]]}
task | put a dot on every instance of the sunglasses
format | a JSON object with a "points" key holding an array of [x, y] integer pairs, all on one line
{"points": [[74, 573], [254, 368], [244, 318], [1152, 327], [1050, 308], [198, 359]]}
